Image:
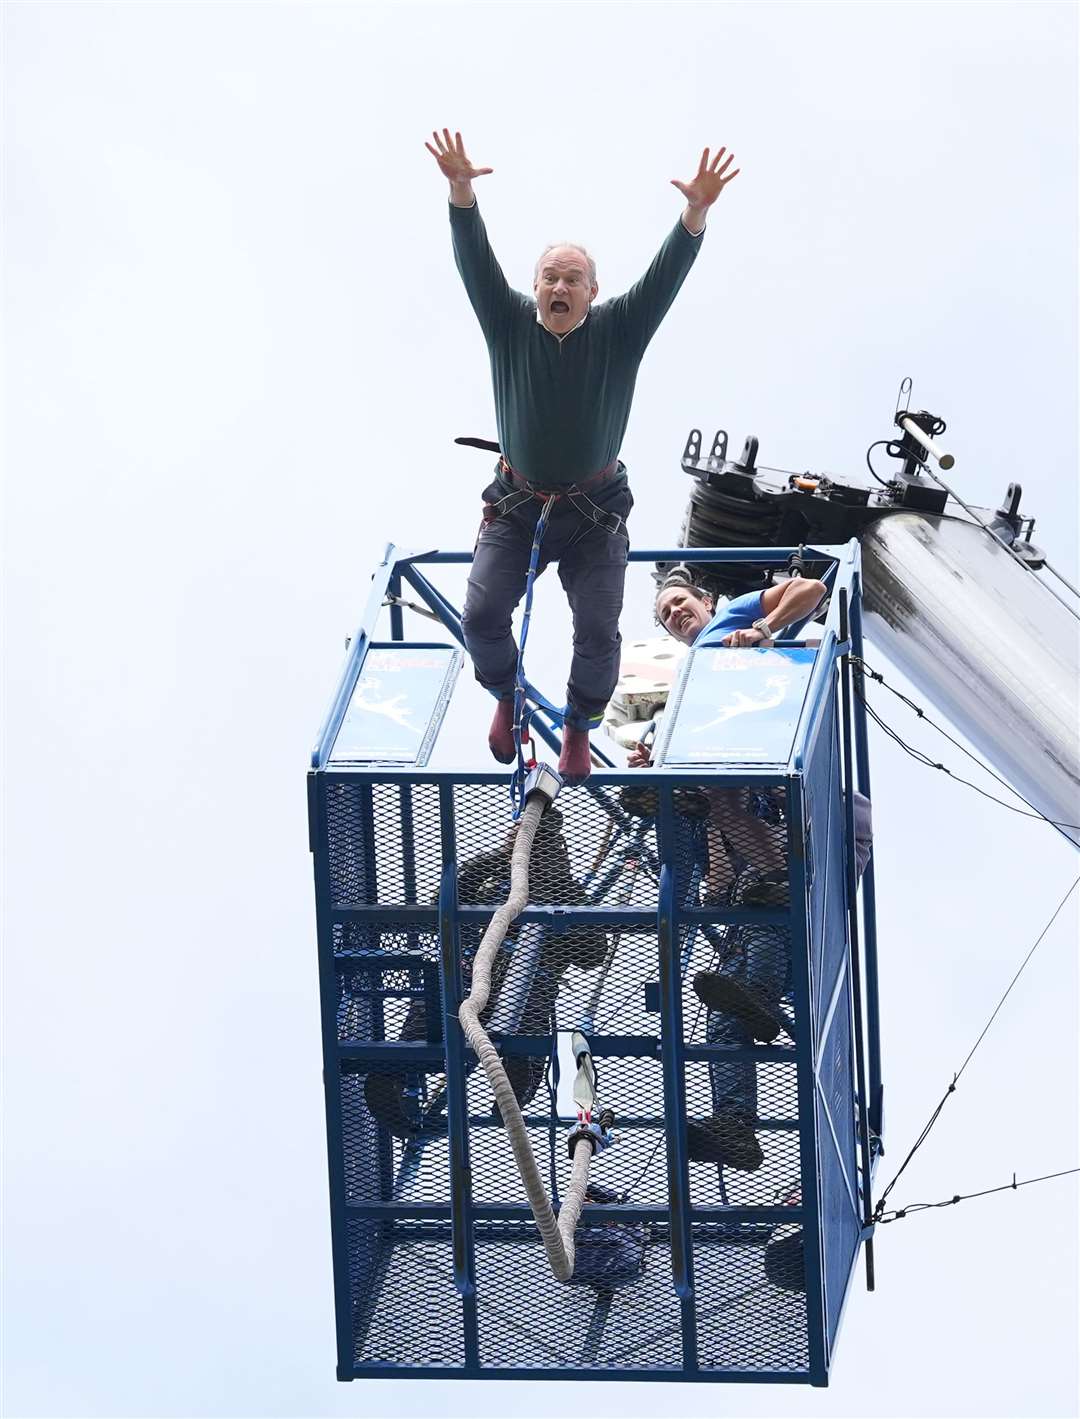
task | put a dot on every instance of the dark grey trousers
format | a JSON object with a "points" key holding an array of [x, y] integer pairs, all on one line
{"points": [[592, 569]]}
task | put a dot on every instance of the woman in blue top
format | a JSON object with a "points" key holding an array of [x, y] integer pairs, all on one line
{"points": [[742, 996], [688, 613]]}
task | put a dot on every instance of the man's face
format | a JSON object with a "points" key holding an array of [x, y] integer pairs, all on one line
{"points": [[563, 290], [682, 614]]}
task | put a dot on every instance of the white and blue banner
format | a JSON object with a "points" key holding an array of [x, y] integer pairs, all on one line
{"points": [[397, 704]]}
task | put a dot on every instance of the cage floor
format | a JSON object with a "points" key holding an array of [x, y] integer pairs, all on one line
{"points": [[412, 1317]]}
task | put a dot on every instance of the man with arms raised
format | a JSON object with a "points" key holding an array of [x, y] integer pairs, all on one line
{"points": [[563, 374]]}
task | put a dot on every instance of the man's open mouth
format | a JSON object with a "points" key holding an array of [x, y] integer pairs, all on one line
{"points": [[559, 308]]}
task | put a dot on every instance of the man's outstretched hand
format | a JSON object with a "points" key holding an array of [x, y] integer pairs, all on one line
{"points": [[705, 187], [455, 166]]}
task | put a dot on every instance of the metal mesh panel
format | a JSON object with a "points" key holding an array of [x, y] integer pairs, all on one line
{"points": [[384, 843], [368, 1252], [390, 1120], [367, 1154], [835, 1100], [839, 1176], [827, 911], [579, 842], [405, 1308], [422, 1167], [636, 1165], [737, 981], [560, 1327], [350, 843], [615, 1000], [767, 1095], [388, 983], [726, 839], [745, 1320]]}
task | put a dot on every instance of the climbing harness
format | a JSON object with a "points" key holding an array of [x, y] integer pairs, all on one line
{"points": [[573, 493], [524, 692], [575, 496]]}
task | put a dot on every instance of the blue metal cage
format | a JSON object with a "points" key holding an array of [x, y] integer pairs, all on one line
{"points": [[690, 1268]]}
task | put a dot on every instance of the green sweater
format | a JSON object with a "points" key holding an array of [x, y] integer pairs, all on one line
{"points": [[562, 406]]}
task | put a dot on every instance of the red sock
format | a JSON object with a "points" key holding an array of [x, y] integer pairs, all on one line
{"points": [[574, 761], [501, 733]]}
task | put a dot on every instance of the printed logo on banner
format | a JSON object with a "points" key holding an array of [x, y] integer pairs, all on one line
{"points": [[396, 705], [751, 722]]}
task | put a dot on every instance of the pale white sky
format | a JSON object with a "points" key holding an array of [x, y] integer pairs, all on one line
{"points": [[237, 352]]}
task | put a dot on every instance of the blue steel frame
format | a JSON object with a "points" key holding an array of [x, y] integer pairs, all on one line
{"points": [[842, 638]]}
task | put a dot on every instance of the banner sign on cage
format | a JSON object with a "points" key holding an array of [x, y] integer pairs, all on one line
{"points": [[737, 706], [397, 704]]}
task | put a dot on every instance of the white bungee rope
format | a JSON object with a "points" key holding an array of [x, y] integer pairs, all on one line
{"points": [[557, 1232]]}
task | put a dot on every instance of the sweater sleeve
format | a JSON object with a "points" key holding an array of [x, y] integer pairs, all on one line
{"points": [[487, 288], [646, 303]]}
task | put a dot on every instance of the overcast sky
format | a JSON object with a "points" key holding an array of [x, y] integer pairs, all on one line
{"points": [[237, 352]]}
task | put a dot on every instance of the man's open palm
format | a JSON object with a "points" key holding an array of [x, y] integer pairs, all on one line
{"points": [[449, 153], [709, 181]]}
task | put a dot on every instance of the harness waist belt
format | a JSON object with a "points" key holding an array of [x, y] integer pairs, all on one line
{"points": [[573, 493], [522, 482]]}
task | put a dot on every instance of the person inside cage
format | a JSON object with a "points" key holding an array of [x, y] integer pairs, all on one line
{"points": [[690, 614], [563, 373], [746, 865]]}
